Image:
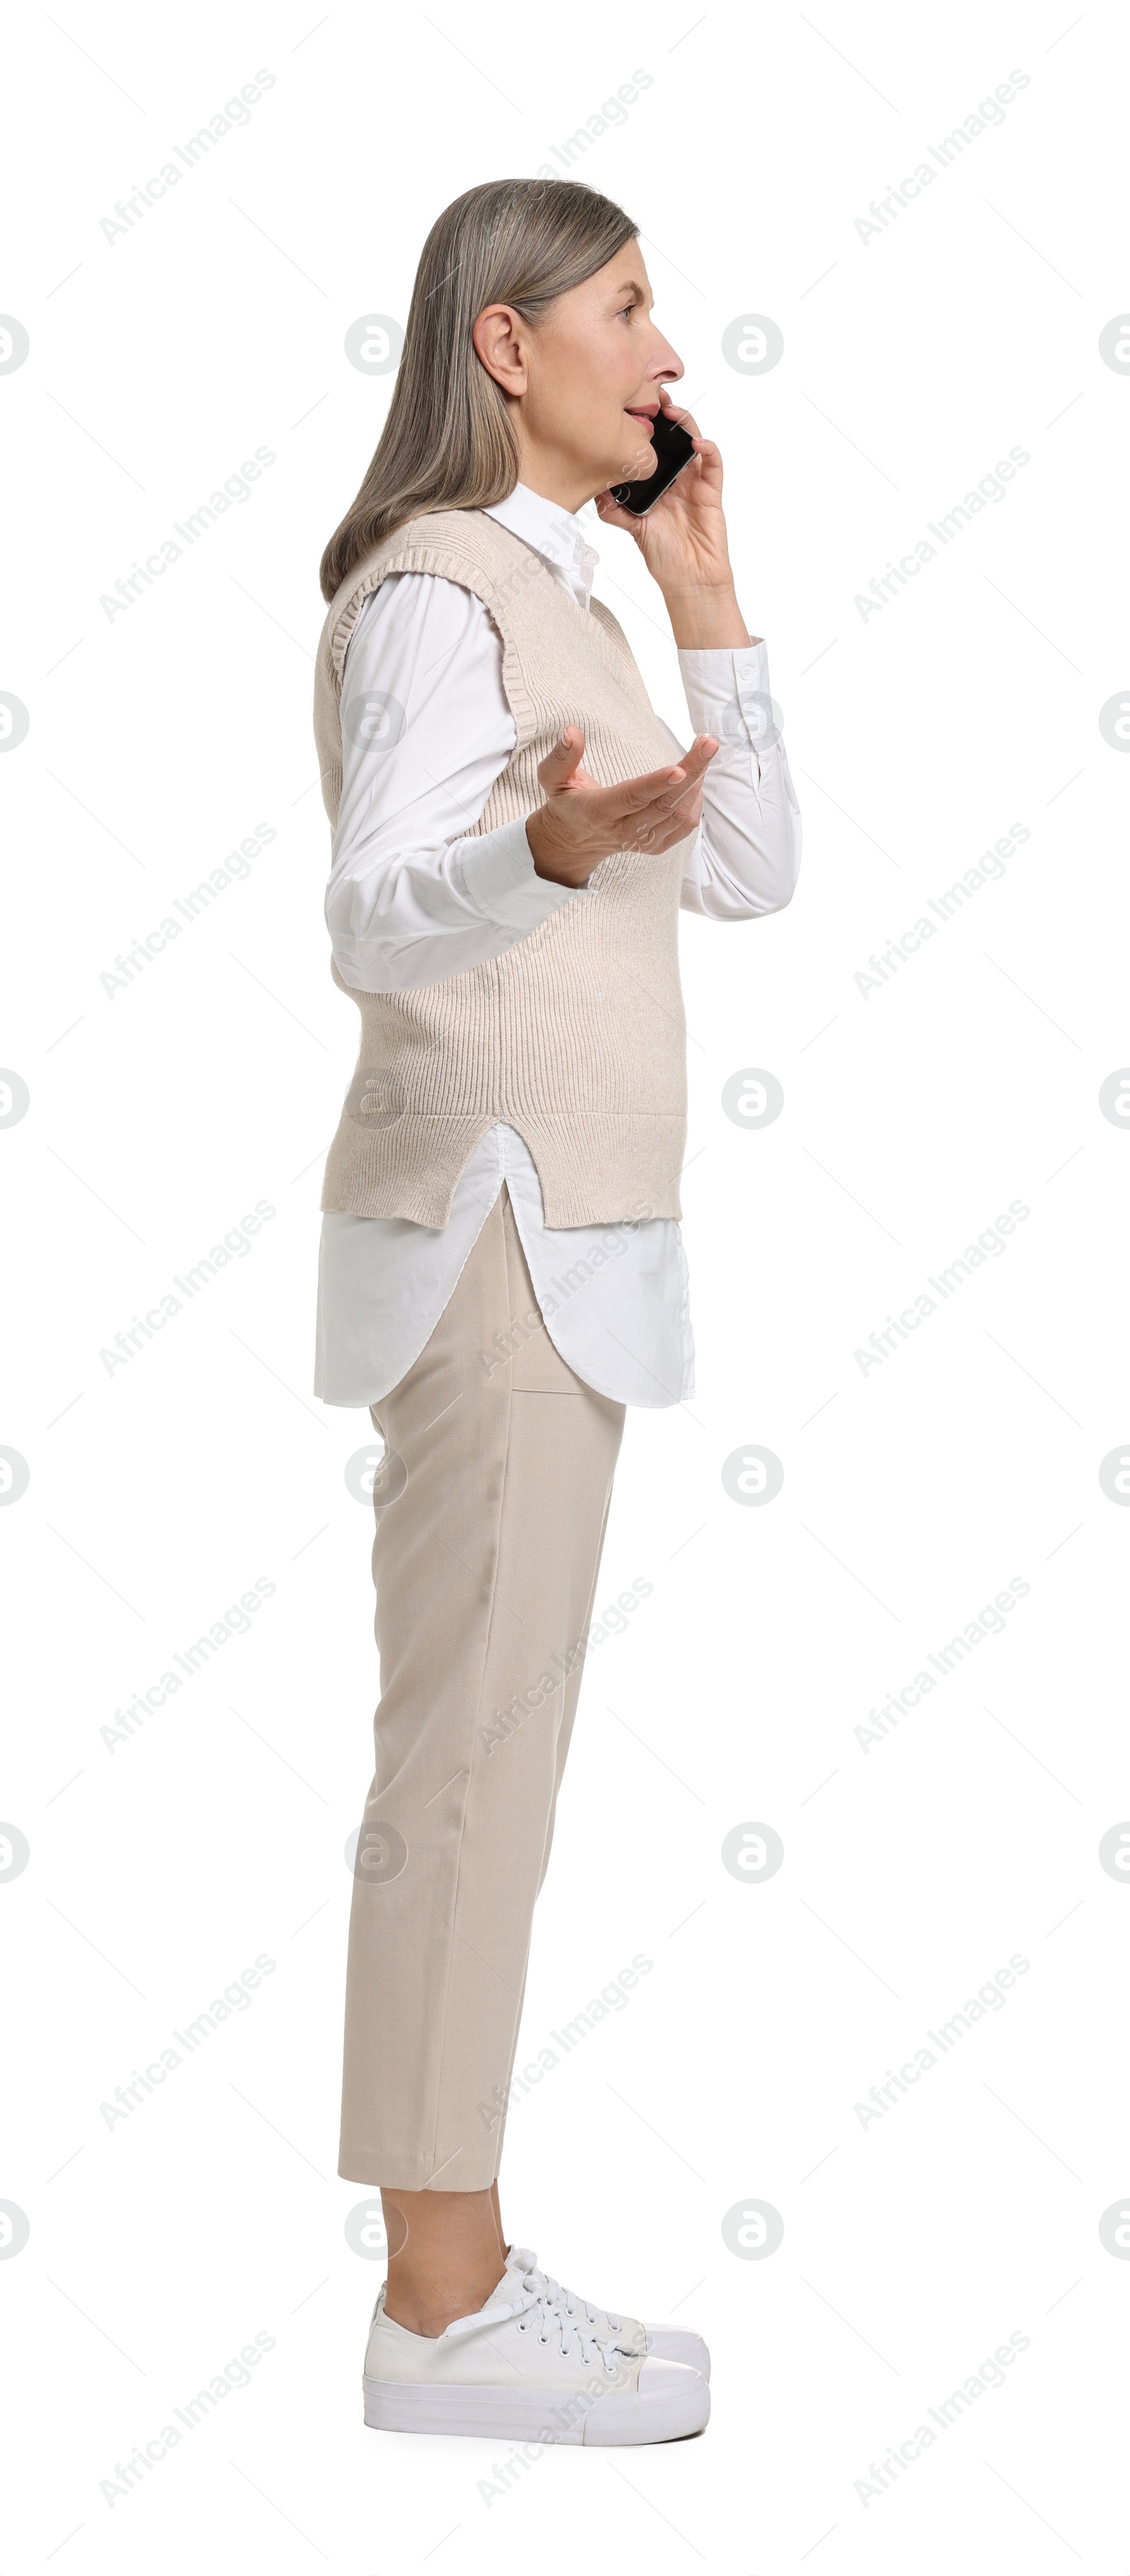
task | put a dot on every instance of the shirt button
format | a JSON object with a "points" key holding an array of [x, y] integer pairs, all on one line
{"points": [[745, 672]]}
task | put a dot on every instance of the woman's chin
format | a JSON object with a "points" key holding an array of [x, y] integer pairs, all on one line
{"points": [[636, 469]]}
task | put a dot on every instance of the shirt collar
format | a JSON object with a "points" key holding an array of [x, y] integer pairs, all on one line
{"points": [[554, 533]]}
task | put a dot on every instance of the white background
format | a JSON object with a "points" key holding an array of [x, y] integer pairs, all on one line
{"points": [[914, 1867]]}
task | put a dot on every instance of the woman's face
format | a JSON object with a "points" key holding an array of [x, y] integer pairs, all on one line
{"points": [[583, 385]]}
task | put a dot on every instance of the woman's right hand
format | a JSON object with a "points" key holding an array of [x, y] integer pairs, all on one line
{"points": [[581, 823]]}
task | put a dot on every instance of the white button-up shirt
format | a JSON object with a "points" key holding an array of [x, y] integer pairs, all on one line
{"points": [[426, 730]]}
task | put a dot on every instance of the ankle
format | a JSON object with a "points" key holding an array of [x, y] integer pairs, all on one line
{"points": [[425, 2309], [432, 2320]]}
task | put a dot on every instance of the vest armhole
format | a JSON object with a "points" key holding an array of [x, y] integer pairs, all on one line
{"points": [[443, 567], [443, 562]]}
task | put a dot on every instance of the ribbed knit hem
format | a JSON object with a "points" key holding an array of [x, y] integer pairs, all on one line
{"points": [[599, 1167]]}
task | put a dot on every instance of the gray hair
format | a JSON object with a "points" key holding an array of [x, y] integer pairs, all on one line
{"points": [[448, 442]]}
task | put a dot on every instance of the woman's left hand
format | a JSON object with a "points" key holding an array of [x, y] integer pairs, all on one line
{"points": [[683, 538]]}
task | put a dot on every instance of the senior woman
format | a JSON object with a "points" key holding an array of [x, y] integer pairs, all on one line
{"points": [[501, 1271]]}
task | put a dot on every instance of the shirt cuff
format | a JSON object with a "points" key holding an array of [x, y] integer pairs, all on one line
{"points": [[727, 692], [502, 882]]}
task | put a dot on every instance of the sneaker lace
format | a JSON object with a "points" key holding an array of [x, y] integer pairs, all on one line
{"points": [[547, 2313], [570, 2301], [547, 2316]]}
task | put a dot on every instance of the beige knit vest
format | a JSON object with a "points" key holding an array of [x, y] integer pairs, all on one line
{"points": [[575, 1035]]}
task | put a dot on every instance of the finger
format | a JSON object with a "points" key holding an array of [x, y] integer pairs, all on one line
{"points": [[685, 419], [693, 768], [630, 795], [701, 752], [670, 818], [612, 512], [676, 828], [663, 826], [702, 749], [707, 453], [657, 789], [690, 764], [563, 759], [688, 816], [691, 787]]}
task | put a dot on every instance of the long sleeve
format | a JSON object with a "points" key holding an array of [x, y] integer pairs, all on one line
{"points": [[746, 855], [426, 729]]}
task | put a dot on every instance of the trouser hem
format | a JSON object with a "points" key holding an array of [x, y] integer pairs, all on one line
{"points": [[409, 2173]]}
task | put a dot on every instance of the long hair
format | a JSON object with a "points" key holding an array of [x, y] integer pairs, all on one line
{"points": [[448, 442]]}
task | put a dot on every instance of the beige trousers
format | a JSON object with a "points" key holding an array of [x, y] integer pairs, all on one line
{"points": [[491, 1511]]}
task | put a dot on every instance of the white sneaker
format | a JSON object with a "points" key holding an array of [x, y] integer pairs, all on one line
{"points": [[667, 2343], [521, 2369]]}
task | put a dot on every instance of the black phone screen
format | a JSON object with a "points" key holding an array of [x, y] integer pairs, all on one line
{"points": [[674, 446]]}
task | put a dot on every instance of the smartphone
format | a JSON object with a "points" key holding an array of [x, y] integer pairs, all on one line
{"points": [[674, 448]]}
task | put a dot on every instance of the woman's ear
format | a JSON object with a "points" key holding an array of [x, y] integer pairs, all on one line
{"points": [[497, 341]]}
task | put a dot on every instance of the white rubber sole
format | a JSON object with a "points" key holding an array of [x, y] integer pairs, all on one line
{"points": [[672, 2402]]}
